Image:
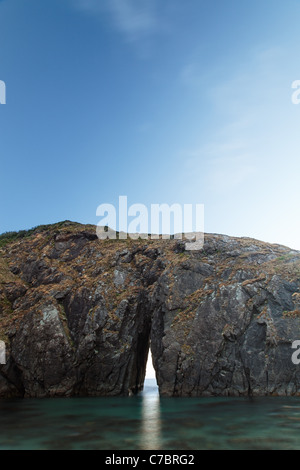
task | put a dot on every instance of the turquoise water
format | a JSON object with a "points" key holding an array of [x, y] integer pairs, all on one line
{"points": [[150, 422]]}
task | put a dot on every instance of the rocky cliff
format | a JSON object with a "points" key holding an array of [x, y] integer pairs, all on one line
{"points": [[78, 314]]}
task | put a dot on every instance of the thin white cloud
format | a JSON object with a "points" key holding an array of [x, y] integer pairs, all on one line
{"points": [[135, 19], [229, 165], [247, 98], [194, 76], [231, 173]]}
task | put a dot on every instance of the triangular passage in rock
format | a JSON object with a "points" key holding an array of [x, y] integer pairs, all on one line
{"points": [[150, 378]]}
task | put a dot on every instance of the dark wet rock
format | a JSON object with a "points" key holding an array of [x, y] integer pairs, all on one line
{"points": [[77, 315]]}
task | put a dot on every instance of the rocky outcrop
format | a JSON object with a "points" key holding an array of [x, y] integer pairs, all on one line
{"points": [[78, 315]]}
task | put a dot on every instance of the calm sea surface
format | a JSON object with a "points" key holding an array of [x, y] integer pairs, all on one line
{"points": [[150, 422]]}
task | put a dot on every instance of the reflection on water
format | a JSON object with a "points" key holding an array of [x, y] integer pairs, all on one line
{"points": [[149, 422], [150, 438]]}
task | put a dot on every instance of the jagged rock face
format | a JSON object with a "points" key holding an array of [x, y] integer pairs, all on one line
{"points": [[77, 315]]}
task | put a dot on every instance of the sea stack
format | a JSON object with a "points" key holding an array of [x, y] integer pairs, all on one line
{"points": [[78, 315]]}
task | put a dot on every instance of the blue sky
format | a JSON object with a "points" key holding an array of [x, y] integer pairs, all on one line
{"points": [[164, 101]]}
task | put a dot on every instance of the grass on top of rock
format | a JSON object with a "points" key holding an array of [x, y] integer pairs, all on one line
{"points": [[8, 237]]}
